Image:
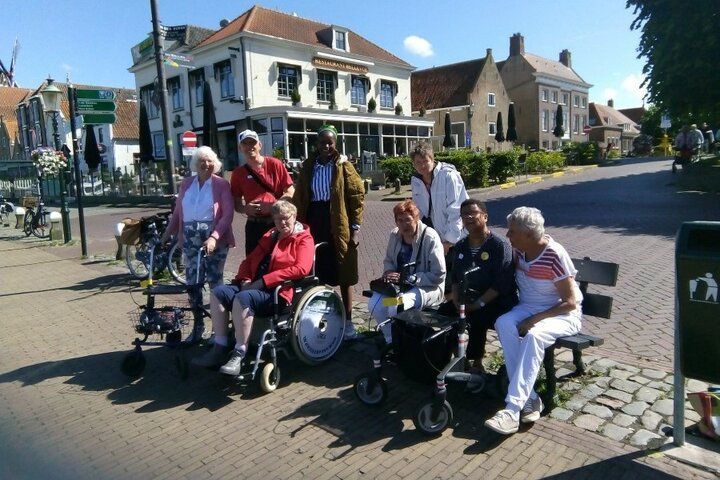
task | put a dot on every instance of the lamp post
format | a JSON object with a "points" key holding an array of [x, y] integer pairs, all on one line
{"points": [[51, 100]]}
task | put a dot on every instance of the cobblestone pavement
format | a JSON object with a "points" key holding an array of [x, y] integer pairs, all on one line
{"points": [[66, 411]]}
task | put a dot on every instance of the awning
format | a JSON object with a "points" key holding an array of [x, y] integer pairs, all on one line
{"points": [[325, 115]]}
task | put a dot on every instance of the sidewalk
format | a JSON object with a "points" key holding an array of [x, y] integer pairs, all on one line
{"points": [[67, 412]]}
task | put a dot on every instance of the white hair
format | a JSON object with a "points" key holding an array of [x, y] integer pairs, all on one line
{"points": [[205, 152], [528, 219]]}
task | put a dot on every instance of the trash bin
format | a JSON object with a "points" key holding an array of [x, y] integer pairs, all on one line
{"points": [[697, 273]]}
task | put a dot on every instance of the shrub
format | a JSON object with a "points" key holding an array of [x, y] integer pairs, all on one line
{"points": [[372, 105], [397, 168], [544, 161], [502, 165], [585, 153]]}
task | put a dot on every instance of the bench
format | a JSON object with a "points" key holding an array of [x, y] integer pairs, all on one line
{"points": [[590, 272]]}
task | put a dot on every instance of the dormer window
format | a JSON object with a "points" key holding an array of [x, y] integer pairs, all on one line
{"points": [[340, 40]]}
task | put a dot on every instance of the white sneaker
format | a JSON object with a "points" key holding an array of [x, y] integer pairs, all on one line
{"points": [[532, 410], [350, 333], [503, 422]]}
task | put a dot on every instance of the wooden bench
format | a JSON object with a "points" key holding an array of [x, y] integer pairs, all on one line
{"points": [[590, 272]]}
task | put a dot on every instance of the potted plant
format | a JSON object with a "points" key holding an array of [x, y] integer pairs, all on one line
{"points": [[372, 105], [333, 105], [422, 111], [295, 97], [398, 109]]}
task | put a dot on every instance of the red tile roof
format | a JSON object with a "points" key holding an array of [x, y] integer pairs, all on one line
{"points": [[552, 67], [10, 97], [277, 24], [445, 86], [635, 114], [602, 115]]}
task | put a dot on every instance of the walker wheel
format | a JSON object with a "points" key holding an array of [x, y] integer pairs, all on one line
{"points": [[133, 364], [430, 422], [269, 377], [371, 392], [173, 338]]}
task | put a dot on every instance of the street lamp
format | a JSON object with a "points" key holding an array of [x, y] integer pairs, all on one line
{"points": [[51, 100]]}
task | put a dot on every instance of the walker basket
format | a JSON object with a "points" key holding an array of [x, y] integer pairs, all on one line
{"points": [[130, 234], [159, 320], [29, 202]]}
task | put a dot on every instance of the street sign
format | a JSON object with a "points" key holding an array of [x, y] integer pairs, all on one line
{"points": [[94, 94], [188, 152], [587, 129], [189, 139], [98, 118], [665, 121], [86, 105]]}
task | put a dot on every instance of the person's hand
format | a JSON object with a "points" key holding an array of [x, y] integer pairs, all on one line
{"points": [[446, 247], [210, 245], [392, 277], [252, 209], [354, 238], [526, 325], [265, 208]]}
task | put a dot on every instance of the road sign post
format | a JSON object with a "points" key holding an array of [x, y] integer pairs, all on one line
{"points": [[189, 139], [96, 106]]}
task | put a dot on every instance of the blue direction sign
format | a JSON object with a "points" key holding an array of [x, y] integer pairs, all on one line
{"points": [[98, 118]]}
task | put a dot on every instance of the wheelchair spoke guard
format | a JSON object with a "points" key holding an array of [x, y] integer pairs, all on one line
{"points": [[318, 325]]}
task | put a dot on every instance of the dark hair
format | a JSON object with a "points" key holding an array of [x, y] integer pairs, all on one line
{"points": [[474, 201]]}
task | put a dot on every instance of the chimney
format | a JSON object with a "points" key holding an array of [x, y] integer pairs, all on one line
{"points": [[517, 44], [611, 103], [488, 53], [566, 58]]}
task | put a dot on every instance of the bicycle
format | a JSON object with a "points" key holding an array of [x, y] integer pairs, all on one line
{"points": [[6, 209], [139, 241], [37, 221]]}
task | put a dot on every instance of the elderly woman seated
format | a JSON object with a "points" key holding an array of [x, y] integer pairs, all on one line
{"points": [[550, 307], [411, 241], [283, 253]]}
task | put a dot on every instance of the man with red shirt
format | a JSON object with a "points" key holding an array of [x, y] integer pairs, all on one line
{"points": [[256, 186]]}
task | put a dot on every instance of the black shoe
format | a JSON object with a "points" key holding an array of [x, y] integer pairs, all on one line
{"points": [[232, 367]]}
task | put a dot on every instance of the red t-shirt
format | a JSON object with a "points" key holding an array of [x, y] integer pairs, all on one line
{"points": [[272, 171]]}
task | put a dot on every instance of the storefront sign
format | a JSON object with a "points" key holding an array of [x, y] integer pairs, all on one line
{"points": [[339, 65]]}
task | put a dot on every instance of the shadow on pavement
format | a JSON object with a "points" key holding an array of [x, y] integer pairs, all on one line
{"points": [[629, 465]]}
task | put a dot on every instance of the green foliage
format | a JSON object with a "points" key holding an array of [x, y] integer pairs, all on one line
{"points": [[278, 153], [333, 105], [473, 166], [422, 111], [680, 46], [586, 153], [295, 96], [503, 165], [544, 162], [398, 109], [397, 168], [372, 104]]}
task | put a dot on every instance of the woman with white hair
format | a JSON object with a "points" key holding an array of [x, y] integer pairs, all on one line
{"points": [[550, 307], [203, 219]]}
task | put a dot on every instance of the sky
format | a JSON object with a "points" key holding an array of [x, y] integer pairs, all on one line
{"points": [[90, 40]]}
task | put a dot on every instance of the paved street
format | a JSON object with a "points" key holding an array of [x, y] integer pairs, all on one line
{"points": [[66, 411]]}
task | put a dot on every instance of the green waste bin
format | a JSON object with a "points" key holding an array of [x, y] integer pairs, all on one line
{"points": [[697, 274]]}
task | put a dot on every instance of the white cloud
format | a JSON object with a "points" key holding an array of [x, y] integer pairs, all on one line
{"points": [[418, 46], [631, 88], [608, 94]]}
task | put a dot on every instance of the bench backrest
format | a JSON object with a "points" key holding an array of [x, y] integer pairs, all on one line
{"points": [[597, 273]]}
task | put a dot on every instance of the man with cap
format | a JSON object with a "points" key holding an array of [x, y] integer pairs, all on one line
{"points": [[256, 186]]}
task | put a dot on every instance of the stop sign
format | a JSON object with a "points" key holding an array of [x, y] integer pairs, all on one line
{"points": [[189, 139]]}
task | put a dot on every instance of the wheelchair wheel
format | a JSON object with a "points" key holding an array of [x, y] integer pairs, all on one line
{"points": [[318, 325], [372, 394], [424, 421], [269, 377], [133, 364]]}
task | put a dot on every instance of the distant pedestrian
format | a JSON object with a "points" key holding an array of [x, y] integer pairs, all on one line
{"points": [[708, 138]]}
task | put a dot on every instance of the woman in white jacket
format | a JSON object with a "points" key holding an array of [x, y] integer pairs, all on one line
{"points": [[411, 241], [438, 190]]}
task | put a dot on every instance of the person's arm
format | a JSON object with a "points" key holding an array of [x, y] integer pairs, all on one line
{"points": [[299, 267], [225, 210], [455, 194], [354, 198], [567, 303], [435, 274]]}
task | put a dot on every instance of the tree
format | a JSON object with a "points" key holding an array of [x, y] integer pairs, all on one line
{"points": [[681, 44], [559, 131], [499, 134]]}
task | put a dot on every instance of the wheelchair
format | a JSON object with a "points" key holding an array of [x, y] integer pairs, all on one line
{"points": [[311, 330]]}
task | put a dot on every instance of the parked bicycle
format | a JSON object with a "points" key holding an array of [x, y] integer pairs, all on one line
{"points": [[6, 209], [37, 218], [140, 236]]}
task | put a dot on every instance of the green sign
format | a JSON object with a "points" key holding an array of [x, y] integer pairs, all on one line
{"points": [[95, 106], [93, 94], [98, 118]]}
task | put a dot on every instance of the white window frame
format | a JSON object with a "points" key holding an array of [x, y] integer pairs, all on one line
{"points": [[492, 129], [176, 93], [356, 80], [544, 120], [285, 83], [385, 100], [576, 100], [584, 102], [197, 79], [491, 99], [325, 92], [554, 96], [544, 94], [224, 76], [336, 45], [565, 98]]}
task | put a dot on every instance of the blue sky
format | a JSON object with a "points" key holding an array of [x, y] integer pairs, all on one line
{"points": [[91, 39]]}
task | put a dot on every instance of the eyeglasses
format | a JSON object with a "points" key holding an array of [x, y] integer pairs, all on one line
{"points": [[474, 214]]}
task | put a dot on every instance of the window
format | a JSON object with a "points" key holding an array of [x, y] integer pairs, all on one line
{"points": [[565, 98], [554, 96], [544, 95], [458, 131], [287, 80], [584, 121], [387, 94], [197, 79], [340, 42], [544, 120], [159, 144], [491, 99], [175, 93], [492, 130], [584, 102], [358, 92], [325, 85], [149, 98], [576, 101], [223, 74], [576, 124]]}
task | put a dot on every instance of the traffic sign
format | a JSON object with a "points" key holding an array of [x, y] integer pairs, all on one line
{"points": [[85, 105], [665, 121], [98, 118], [189, 139], [94, 94], [587, 129]]}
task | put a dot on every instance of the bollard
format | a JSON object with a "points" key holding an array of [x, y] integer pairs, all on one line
{"points": [[56, 231], [118, 233], [19, 218], [397, 185], [367, 183]]}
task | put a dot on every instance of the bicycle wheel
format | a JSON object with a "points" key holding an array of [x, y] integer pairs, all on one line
{"points": [[4, 216], [41, 224], [176, 263], [137, 257], [27, 222]]}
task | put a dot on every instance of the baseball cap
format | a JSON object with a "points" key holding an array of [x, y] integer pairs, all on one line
{"points": [[248, 134]]}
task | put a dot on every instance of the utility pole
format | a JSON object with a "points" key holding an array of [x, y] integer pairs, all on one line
{"points": [[169, 150]]}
